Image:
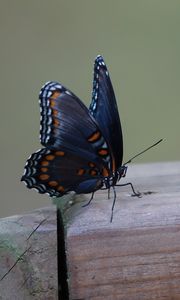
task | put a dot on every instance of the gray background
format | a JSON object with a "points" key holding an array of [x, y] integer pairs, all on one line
{"points": [[58, 40]]}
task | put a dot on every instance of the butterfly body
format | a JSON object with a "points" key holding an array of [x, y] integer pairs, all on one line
{"points": [[83, 148]]}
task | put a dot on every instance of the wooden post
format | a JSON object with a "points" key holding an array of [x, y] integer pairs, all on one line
{"points": [[137, 256], [30, 256]]}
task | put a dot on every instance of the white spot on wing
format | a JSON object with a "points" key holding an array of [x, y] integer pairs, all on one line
{"points": [[68, 93]]}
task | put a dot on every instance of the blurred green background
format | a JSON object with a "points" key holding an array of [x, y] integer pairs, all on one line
{"points": [[58, 40]]}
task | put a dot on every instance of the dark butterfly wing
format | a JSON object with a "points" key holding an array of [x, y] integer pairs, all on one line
{"points": [[104, 109], [76, 156], [57, 172], [65, 121], [60, 112]]}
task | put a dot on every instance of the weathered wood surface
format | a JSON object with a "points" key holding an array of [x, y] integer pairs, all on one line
{"points": [[34, 275], [137, 256]]}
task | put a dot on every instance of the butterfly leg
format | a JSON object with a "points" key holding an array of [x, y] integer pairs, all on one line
{"points": [[109, 190], [92, 196], [114, 201], [135, 194]]}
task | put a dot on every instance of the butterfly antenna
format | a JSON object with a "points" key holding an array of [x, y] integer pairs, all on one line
{"points": [[130, 160]]}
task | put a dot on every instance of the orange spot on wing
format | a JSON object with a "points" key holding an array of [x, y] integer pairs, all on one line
{"points": [[50, 157], [43, 176], [60, 188], [55, 112], [55, 95], [59, 153], [56, 122], [105, 172], [91, 164], [103, 152], [44, 163], [80, 172], [53, 183], [44, 169], [113, 164], [93, 172], [52, 103], [94, 137]]}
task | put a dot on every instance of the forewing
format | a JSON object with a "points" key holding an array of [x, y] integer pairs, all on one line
{"points": [[104, 109], [62, 113], [66, 122]]}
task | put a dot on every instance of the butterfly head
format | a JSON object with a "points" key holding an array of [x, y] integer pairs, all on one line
{"points": [[112, 180]]}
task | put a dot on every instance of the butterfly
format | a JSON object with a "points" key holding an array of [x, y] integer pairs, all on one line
{"points": [[82, 148]]}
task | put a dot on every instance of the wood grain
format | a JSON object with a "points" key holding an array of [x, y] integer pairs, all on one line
{"points": [[137, 256], [34, 274]]}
